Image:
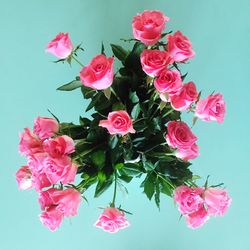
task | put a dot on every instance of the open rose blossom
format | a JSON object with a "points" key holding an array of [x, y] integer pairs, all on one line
{"points": [[24, 178], [112, 220], [179, 47], [212, 108], [61, 46], [153, 61], [118, 122], [45, 127], [188, 154], [197, 219], [148, 26], [99, 73], [217, 201]]}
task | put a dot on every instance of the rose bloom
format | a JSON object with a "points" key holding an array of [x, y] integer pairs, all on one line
{"points": [[179, 47], [99, 73], [45, 127], [24, 178], [61, 46], [112, 220], [180, 135], [148, 26], [197, 219], [188, 154], [217, 201], [168, 81], [153, 61], [118, 122], [183, 99], [212, 108]]}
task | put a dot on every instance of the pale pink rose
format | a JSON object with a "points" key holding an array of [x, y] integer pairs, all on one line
{"points": [[60, 46], [183, 99], [29, 143], [180, 135], [24, 178], [118, 122], [217, 201], [197, 219], [168, 81], [189, 199], [36, 161], [212, 108], [154, 61], [188, 154], [45, 127], [70, 177], [45, 198], [99, 73], [51, 218], [112, 220], [148, 26], [179, 47], [61, 145]]}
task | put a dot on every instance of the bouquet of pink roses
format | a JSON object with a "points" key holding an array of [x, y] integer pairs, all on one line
{"points": [[135, 131]]}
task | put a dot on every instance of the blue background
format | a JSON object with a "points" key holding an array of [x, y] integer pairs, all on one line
{"points": [[220, 33]]}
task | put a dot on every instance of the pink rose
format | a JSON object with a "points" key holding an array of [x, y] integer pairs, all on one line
{"points": [[189, 199], [112, 220], [51, 218], [183, 99], [217, 201], [45, 127], [61, 46], [153, 61], [24, 178], [168, 81], [62, 145], [180, 135], [99, 73], [188, 154], [212, 108], [29, 144], [45, 198], [148, 26], [179, 47], [118, 122], [198, 218]]}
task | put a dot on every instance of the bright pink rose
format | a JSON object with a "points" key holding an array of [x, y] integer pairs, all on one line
{"points": [[118, 122], [197, 219], [61, 46], [61, 145], [189, 199], [188, 154], [45, 127], [180, 135], [183, 99], [168, 81], [217, 201], [212, 108], [45, 198], [29, 143], [112, 220], [99, 73], [153, 61], [24, 178], [179, 47], [51, 218], [148, 26]]}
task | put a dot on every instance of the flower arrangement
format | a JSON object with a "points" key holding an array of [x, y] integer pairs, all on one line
{"points": [[136, 130]]}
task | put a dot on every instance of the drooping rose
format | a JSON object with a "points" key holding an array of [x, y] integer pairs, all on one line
{"points": [[99, 73], [148, 26], [197, 219], [112, 220], [180, 135], [154, 61], [217, 201], [45, 198], [212, 108], [118, 122], [179, 47], [60, 46], [45, 127], [188, 154], [24, 178]]}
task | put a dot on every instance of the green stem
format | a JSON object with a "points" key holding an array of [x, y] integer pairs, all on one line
{"points": [[113, 92], [77, 61], [114, 196]]}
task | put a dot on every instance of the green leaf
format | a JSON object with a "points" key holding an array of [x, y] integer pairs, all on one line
{"points": [[149, 185], [184, 76], [103, 49], [107, 93], [130, 169], [98, 158], [136, 111], [165, 188], [119, 52], [125, 178], [157, 193], [71, 85], [101, 176], [101, 187], [113, 141], [133, 97], [162, 105], [118, 106]]}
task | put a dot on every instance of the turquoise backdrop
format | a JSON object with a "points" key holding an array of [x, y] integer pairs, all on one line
{"points": [[220, 33]]}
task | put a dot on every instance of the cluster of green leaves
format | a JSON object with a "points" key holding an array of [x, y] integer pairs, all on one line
{"points": [[146, 153]]}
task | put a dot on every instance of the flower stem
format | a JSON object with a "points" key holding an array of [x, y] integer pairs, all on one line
{"points": [[77, 61], [114, 196]]}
